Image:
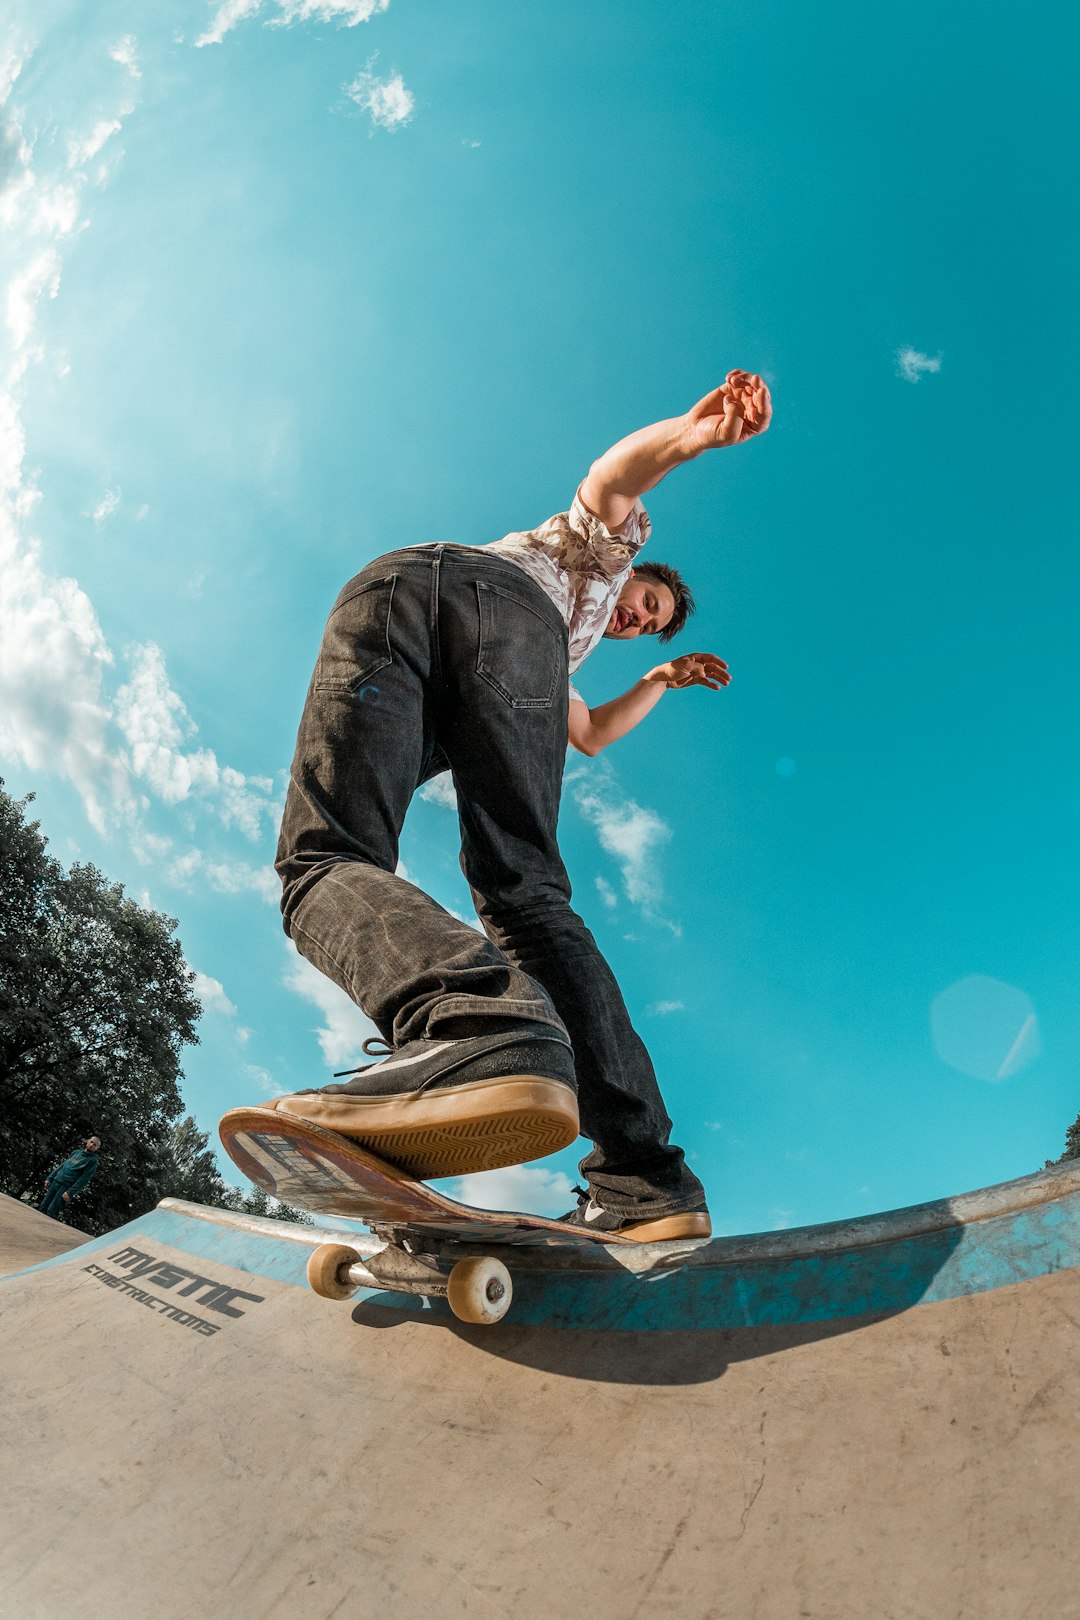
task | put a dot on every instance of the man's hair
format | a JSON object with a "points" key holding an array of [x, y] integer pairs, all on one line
{"points": [[661, 574]]}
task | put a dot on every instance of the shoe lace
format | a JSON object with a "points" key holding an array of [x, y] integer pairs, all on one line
{"points": [[375, 1047]]}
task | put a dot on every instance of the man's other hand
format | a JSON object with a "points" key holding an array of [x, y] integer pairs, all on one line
{"points": [[692, 669], [738, 410]]}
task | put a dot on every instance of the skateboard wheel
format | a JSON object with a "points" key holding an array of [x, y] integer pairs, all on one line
{"points": [[327, 1270], [479, 1290]]}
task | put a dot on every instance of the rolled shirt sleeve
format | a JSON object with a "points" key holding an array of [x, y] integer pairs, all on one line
{"points": [[582, 565]]}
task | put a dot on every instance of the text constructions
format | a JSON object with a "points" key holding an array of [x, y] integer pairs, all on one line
{"points": [[203, 1291]]}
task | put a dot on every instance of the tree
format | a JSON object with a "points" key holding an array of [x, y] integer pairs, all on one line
{"points": [[96, 1004], [189, 1170], [1072, 1144]]}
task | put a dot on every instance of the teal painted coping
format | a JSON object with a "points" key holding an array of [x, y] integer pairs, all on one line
{"points": [[703, 1291]]}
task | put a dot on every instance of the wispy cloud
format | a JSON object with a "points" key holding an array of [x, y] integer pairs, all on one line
{"points": [[211, 992], [82, 148], [912, 365], [105, 507], [518, 1187], [264, 1080], [344, 1028], [664, 1009], [54, 709], [387, 101], [606, 893], [345, 12], [194, 869], [285, 13], [628, 831], [226, 18], [125, 52], [440, 790], [155, 722]]}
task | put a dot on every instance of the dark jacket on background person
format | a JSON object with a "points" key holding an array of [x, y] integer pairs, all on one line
{"points": [[77, 1169]]}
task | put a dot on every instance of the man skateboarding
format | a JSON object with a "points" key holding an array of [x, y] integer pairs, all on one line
{"points": [[440, 655]]}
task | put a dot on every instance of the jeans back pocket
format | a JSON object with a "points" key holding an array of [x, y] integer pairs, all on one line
{"points": [[519, 653], [356, 641]]}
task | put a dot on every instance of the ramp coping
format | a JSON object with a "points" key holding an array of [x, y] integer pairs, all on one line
{"points": [[1054, 1184]]}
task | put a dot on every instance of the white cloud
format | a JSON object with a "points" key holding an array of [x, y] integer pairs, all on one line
{"points": [[627, 831], [344, 1028], [224, 877], [211, 992], [662, 1009], [911, 364], [440, 790], [40, 278], [105, 507], [347, 13], [56, 210], [12, 63], [155, 722], [518, 1187], [470, 922], [225, 18], [386, 100], [54, 712], [57, 712], [81, 151], [124, 52], [264, 1080], [607, 893]]}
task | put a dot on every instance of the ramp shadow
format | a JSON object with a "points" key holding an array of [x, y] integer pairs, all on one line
{"points": [[688, 1322]]}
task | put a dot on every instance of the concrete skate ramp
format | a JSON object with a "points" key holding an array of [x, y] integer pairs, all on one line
{"points": [[27, 1236], [873, 1420]]}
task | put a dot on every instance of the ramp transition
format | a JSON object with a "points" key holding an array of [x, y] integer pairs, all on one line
{"points": [[871, 1419]]}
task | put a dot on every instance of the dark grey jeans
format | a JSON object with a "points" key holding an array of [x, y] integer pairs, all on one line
{"points": [[441, 655]]}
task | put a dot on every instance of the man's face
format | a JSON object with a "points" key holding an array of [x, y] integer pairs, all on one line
{"points": [[92, 1144], [643, 609]]}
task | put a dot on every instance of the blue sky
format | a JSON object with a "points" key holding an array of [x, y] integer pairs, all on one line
{"points": [[290, 284]]}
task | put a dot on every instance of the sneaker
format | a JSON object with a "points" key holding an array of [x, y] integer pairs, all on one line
{"points": [[451, 1107], [683, 1223]]}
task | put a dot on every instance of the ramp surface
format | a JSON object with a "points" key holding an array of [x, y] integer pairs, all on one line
{"points": [[27, 1236], [872, 1420]]}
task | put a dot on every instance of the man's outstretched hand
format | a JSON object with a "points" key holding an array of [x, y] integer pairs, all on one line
{"points": [[736, 411], [692, 669]]}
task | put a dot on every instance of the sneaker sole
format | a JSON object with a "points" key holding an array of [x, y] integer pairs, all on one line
{"points": [[455, 1131], [667, 1227]]}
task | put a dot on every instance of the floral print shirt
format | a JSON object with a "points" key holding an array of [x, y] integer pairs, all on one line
{"points": [[581, 565]]}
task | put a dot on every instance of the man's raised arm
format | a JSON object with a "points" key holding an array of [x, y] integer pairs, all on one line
{"points": [[590, 730], [730, 414]]}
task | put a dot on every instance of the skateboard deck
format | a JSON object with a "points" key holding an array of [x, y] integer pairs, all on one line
{"points": [[327, 1174]]}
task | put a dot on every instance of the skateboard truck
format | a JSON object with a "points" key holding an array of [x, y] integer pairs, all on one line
{"points": [[477, 1288]]}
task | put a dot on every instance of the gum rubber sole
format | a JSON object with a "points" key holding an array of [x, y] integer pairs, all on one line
{"points": [[453, 1131], [666, 1228]]}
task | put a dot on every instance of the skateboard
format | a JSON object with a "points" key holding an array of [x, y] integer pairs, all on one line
{"points": [[434, 1245]]}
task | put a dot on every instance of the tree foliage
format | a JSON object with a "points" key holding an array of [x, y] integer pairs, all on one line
{"points": [[1072, 1144], [190, 1171], [96, 1003], [96, 1006]]}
